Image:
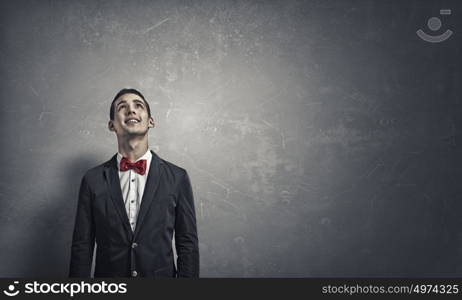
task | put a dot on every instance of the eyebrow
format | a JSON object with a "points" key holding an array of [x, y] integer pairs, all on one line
{"points": [[136, 100]]}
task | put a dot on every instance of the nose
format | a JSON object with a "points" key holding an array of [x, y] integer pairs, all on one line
{"points": [[131, 109]]}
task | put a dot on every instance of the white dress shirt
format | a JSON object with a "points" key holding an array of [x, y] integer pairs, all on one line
{"points": [[132, 185]]}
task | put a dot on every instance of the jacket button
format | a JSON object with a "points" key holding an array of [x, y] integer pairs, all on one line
{"points": [[134, 245], [134, 274]]}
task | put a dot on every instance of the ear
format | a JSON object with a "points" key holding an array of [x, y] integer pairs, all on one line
{"points": [[110, 125], [151, 123]]}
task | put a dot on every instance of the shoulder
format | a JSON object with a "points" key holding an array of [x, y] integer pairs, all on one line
{"points": [[96, 171], [177, 178], [172, 170]]}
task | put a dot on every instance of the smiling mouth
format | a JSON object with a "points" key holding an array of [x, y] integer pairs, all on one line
{"points": [[132, 122]]}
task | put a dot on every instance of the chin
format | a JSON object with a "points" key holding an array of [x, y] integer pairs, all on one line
{"points": [[136, 132]]}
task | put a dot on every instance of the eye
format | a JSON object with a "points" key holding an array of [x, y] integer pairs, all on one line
{"points": [[140, 105]]}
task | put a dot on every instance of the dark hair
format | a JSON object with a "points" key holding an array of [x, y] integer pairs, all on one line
{"points": [[127, 91]]}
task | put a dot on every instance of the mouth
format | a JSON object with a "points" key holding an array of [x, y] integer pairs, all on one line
{"points": [[132, 121]]}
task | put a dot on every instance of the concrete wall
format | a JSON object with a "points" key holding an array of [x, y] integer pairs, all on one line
{"points": [[322, 138]]}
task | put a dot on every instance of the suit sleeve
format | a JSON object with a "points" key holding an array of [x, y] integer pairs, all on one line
{"points": [[83, 239], [186, 240]]}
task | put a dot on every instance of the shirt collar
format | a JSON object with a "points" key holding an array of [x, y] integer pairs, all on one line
{"points": [[147, 156]]}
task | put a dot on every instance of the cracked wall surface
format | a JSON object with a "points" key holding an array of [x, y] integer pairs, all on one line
{"points": [[322, 138]]}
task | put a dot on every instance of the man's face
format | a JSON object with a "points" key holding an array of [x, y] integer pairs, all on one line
{"points": [[130, 116]]}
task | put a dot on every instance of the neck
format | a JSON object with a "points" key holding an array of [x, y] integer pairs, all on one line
{"points": [[133, 148]]}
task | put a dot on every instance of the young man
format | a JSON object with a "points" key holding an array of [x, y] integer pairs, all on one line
{"points": [[133, 204]]}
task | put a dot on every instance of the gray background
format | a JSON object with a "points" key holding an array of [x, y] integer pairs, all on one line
{"points": [[322, 138]]}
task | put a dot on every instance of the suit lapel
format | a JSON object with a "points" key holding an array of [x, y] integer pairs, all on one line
{"points": [[152, 183], [113, 182]]}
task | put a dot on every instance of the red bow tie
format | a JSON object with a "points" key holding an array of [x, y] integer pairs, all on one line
{"points": [[139, 166]]}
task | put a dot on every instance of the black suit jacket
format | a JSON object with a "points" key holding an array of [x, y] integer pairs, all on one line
{"points": [[167, 209]]}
